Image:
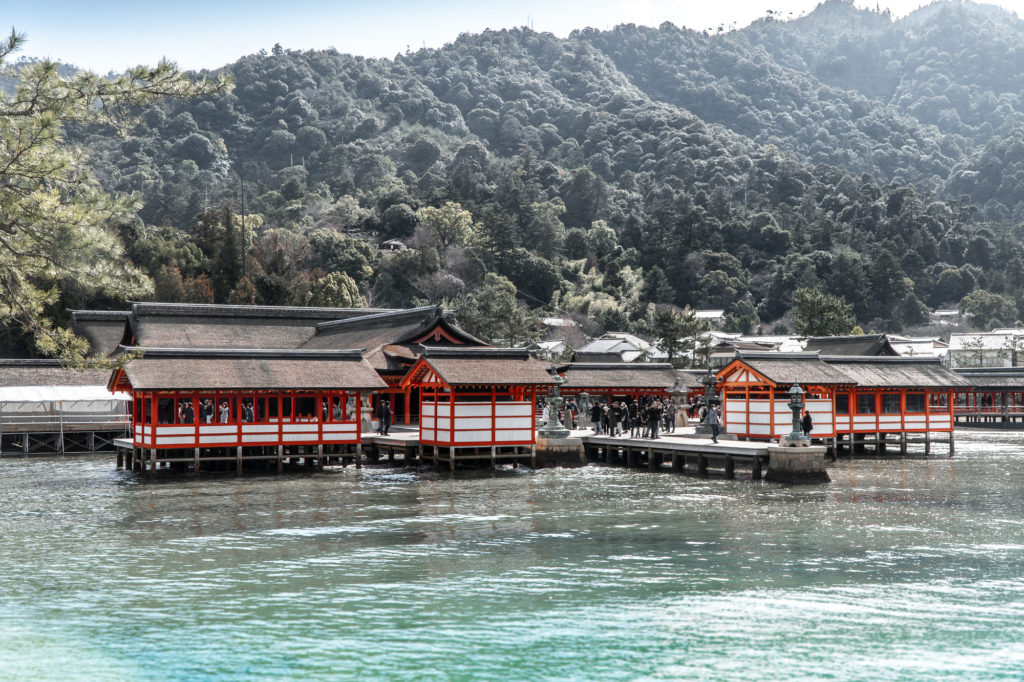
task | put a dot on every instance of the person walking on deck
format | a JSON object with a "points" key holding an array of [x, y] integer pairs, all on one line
{"points": [[654, 417], [670, 416], [715, 421], [806, 424], [386, 420]]}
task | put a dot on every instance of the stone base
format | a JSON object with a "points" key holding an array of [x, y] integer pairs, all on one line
{"points": [[563, 452], [797, 464]]}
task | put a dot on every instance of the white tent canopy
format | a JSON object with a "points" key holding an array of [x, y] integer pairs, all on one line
{"points": [[68, 401]]}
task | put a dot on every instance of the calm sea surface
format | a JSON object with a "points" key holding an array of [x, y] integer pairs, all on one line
{"points": [[897, 570]]}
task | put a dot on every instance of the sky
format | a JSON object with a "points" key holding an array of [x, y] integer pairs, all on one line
{"points": [[111, 35]]}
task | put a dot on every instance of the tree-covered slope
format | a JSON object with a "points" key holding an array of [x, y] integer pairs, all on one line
{"points": [[600, 174]]}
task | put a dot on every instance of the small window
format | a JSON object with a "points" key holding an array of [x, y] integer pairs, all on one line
{"points": [[866, 403], [842, 403], [306, 407], [186, 413], [165, 411], [915, 403], [225, 411], [248, 411], [207, 410], [286, 407], [939, 402], [890, 403]]}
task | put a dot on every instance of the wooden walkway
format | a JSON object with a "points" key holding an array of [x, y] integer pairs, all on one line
{"points": [[682, 450]]}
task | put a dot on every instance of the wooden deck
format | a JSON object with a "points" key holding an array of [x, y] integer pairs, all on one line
{"points": [[683, 451]]}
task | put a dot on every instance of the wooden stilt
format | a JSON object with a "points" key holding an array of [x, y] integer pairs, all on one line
{"points": [[451, 458], [677, 462], [533, 455], [280, 459], [435, 455], [730, 467], [320, 456], [903, 442], [238, 460], [927, 443], [952, 447], [653, 460], [702, 465], [359, 455], [494, 456], [755, 469]]}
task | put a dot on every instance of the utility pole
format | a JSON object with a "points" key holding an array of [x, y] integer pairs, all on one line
{"points": [[241, 182]]}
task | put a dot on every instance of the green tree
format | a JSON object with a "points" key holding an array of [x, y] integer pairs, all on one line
{"points": [[987, 310], [820, 314], [494, 314], [742, 317], [335, 290], [55, 219], [449, 225], [677, 333]]}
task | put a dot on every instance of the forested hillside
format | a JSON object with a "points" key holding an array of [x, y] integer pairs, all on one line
{"points": [[602, 175]]}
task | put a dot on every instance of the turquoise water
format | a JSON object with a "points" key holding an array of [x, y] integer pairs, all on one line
{"points": [[897, 570]]}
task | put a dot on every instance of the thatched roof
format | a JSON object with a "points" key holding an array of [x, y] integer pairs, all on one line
{"points": [[619, 375], [166, 325], [899, 372], [995, 378], [48, 373], [861, 344], [795, 368], [485, 367], [250, 369], [392, 339], [103, 329]]}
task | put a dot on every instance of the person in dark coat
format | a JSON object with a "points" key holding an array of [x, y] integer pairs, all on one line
{"points": [[654, 417], [595, 416], [206, 411], [616, 419], [634, 419], [806, 424], [386, 416]]}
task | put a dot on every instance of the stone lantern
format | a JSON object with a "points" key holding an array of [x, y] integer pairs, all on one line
{"points": [[554, 428], [709, 399], [796, 403], [583, 402]]}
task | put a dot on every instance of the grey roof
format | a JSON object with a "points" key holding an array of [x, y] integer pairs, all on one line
{"points": [[860, 344], [897, 372], [392, 338], [48, 373], [249, 369], [488, 367], [167, 325], [795, 368], [103, 329], [1009, 378], [620, 375]]}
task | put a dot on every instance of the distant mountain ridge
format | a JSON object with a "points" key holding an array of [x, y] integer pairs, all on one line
{"points": [[873, 159]]}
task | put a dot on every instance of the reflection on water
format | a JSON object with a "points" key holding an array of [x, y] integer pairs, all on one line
{"points": [[898, 569]]}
